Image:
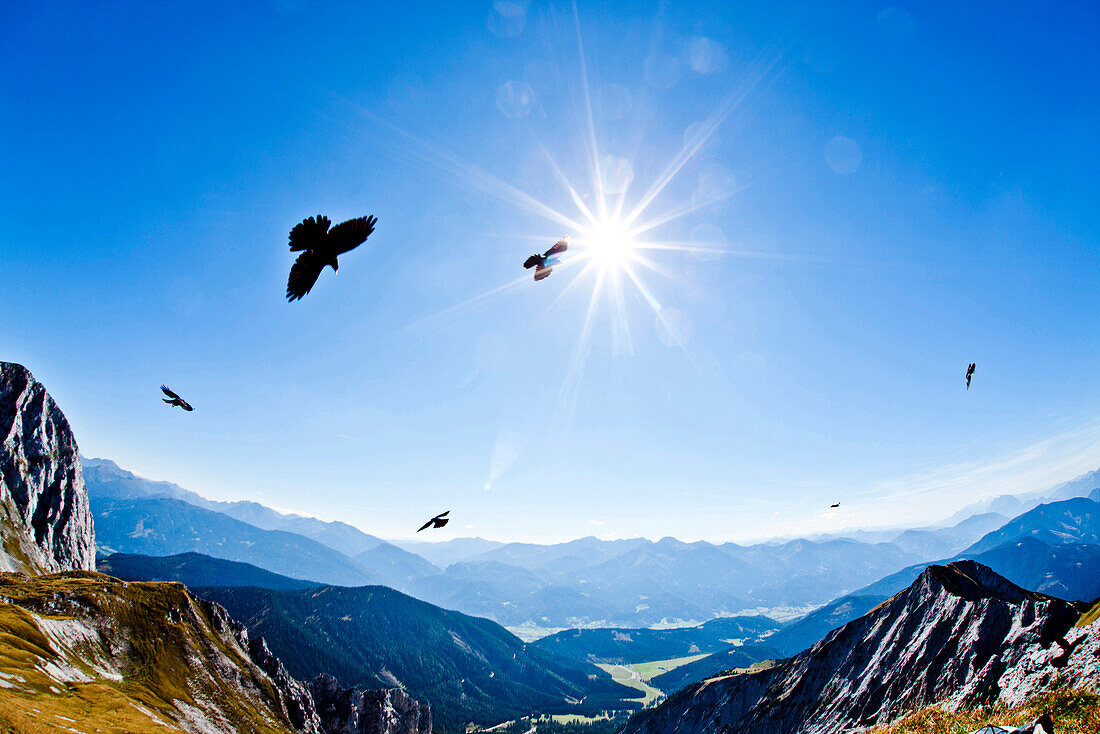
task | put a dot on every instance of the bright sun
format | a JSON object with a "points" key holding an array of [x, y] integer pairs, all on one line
{"points": [[610, 243]]}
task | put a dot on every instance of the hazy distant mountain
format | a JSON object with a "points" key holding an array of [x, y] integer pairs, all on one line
{"points": [[195, 569], [656, 582], [106, 479], [378, 561], [162, 527], [730, 658], [445, 552], [396, 566], [1013, 505], [624, 645], [959, 635], [1069, 521], [560, 557], [468, 669], [944, 542]]}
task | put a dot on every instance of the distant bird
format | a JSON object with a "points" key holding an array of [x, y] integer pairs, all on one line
{"points": [[835, 504], [175, 400], [544, 263], [437, 522], [969, 374], [320, 246]]}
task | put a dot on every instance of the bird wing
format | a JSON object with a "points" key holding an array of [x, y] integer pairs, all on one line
{"points": [[559, 247], [309, 234], [303, 275], [443, 514], [350, 234], [169, 393], [426, 524], [532, 261], [442, 521]]}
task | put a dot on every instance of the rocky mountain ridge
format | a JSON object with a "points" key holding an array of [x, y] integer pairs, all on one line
{"points": [[959, 635]]}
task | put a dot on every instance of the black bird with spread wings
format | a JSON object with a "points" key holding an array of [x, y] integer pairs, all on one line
{"points": [[835, 504], [544, 263], [437, 522], [969, 374], [175, 400], [320, 246]]}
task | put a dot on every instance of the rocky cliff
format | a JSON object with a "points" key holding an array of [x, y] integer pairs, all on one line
{"points": [[353, 711], [959, 635], [45, 522]]}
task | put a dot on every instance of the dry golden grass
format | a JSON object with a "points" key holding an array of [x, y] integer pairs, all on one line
{"points": [[1072, 711]]}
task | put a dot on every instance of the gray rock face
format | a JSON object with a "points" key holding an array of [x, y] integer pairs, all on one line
{"points": [[960, 635], [45, 522], [353, 711]]}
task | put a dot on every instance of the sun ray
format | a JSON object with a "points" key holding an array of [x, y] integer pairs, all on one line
{"points": [[593, 147], [441, 161]]}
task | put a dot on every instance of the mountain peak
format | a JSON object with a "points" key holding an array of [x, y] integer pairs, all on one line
{"points": [[972, 581]]}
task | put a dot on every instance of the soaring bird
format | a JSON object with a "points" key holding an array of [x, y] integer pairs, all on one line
{"points": [[544, 263], [175, 400], [437, 522], [835, 504], [969, 374], [320, 246]]}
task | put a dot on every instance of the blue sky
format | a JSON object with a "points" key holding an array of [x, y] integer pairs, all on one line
{"points": [[910, 188]]}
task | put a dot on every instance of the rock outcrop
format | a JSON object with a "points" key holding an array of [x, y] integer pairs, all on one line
{"points": [[960, 635], [45, 521], [353, 711]]}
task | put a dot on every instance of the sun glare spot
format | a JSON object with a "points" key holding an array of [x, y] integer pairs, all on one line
{"points": [[610, 243]]}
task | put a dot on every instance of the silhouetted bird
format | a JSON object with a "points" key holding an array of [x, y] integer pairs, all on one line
{"points": [[437, 522], [544, 263], [837, 504], [320, 246], [969, 374], [175, 400]]}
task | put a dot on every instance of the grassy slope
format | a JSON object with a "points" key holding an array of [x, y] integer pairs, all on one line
{"points": [[142, 654], [1072, 712]]}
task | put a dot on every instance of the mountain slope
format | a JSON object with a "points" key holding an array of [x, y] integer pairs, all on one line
{"points": [[85, 648], [195, 569], [1074, 520], [162, 526], [622, 645], [960, 634], [468, 669]]}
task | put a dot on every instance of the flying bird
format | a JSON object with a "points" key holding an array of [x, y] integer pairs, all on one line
{"points": [[175, 400], [437, 522], [969, 374], [320, 246], [544, 263], [835, 504]]}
